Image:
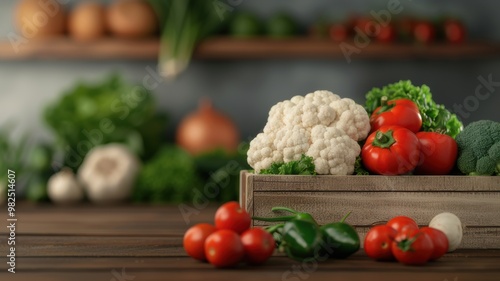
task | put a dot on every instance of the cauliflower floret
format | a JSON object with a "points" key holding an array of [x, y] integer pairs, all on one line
{"points": [[293, 141], [353, 118], [333, 151], [262, 152], [338, 124]]}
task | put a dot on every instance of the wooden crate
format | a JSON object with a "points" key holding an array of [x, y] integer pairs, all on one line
{"points": [[372, 199]]}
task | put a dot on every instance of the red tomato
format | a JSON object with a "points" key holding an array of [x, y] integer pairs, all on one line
{"points": [[231, 216], [194, 240], [338, 32], [412, 247], [439, 240], [424, 32], [378, 242], [391, 150], [454, 31], [438, 153], [402, 222], [400, 112], [223, 248], [258, 244], [387, 34]]}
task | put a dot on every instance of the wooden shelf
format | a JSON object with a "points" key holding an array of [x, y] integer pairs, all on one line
{"points": [[228, 48]]}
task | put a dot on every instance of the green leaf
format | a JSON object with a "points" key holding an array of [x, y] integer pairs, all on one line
{"points": [[434, 117], [304, 166]]}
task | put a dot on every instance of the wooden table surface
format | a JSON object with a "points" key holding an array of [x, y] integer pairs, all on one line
{"points": [[121, 243]]}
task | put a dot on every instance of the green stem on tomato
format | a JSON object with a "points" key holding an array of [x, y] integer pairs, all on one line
{"points": [[384, 139], [384, 105]]}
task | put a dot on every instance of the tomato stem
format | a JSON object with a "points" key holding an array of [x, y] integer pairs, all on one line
{"points": [[384, 140], [383, 101], [384, 105]]}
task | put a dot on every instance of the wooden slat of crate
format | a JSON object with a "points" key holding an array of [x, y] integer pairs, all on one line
{"points": [[372, 199]]}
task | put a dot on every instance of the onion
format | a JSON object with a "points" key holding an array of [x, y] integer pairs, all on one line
{"points": [[87, 21], [206, 130], [132, 19], [40, 19]]}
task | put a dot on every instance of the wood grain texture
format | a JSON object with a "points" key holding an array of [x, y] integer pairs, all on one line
{"points": [[118, 252], [473, 209], [374, 183], [96, 246], [252, 275], [231, 48], [472, 260], [118, 220], [372, 199]]}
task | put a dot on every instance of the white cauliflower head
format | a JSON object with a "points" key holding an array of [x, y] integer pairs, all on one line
{"points": [[321, 125]]}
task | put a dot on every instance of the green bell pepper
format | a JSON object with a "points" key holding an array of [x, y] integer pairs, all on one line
{"points": [[301, 239], [341, 237]]}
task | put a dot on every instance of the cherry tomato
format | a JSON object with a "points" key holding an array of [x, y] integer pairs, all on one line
{"points": [[338, 32], [412, 247], [387, 34], [454, 31], [391, 150], [378, 242], [439, 240], [402, 222], [438, 153], [223, 248], [258, 244], [400, 112], [231, 216], [194, 240], [424, 32]]}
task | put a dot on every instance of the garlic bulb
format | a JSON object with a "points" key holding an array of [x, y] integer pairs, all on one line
{"points": [[108, 173], [63, 187]]}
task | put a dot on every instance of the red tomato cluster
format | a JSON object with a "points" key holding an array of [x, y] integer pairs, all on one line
{"points": [[401, 239], [386, 29], [396, 146], [230, 241]]}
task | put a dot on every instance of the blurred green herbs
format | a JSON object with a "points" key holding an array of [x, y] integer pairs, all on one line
{"points": [[173, 175], [89, 115]]}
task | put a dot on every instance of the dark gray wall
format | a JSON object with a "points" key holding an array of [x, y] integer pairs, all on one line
{"points": [[246, 90]]}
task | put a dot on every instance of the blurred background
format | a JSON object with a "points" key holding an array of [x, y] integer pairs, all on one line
{"points": [[65, 75]]}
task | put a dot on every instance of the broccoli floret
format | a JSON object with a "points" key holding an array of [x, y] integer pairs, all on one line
{"points": [[479, 148]]}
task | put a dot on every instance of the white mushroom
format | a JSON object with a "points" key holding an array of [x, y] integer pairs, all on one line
{"points": [[451, 226], [108, 173], [63, 188]]}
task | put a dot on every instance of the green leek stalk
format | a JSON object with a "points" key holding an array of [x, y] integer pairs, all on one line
{"points": [[184, 23]]}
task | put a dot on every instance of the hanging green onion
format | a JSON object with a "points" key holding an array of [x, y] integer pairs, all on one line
{"points": [[184, 23]]}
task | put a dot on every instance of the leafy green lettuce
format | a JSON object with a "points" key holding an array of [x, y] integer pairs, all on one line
{"points": [[435, 117]]}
